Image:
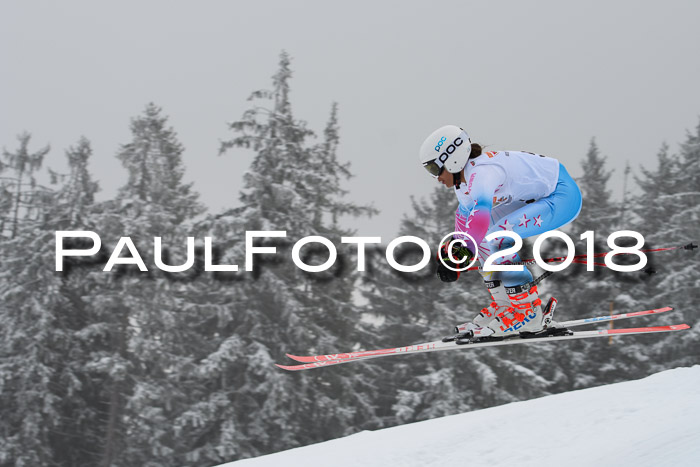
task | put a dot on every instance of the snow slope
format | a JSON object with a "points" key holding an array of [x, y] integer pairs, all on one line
{"points": [[652, 421]]}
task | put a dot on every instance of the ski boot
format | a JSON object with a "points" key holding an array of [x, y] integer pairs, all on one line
{"points": [[526, 318], [550, 327], [524, 314], [499, 303], [523, 317]]}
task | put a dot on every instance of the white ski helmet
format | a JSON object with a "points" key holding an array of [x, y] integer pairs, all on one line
{"points": [[447, 147]]}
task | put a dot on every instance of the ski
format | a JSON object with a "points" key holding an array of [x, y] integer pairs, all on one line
{"points": [[563, 324], [604, 319], [438, 346]]}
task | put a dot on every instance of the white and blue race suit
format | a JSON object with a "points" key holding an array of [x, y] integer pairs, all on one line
{"points": [[523, 192]]}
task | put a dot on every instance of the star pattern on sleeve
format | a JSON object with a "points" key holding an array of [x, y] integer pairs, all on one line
{"points": [[538, 221], [507, 226], [523, 221]]}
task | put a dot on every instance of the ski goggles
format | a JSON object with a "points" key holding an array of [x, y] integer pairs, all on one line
{"points": [[433, 168]]}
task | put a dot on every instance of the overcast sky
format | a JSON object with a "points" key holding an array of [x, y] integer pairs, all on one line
{"points": [[538, 76]]}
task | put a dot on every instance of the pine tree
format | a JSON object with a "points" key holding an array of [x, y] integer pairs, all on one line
{"points": [[47, 401], [250, 407], [20, 196], [144, 315], [597, 212], [78, 190], [667, 215], [327, 185], [686, 218]]}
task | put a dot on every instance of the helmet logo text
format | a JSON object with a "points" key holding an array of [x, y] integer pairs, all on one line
{"points": [[439, 145]]}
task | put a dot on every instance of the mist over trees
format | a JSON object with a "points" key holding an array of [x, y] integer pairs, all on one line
{"points": [[176, 369]]}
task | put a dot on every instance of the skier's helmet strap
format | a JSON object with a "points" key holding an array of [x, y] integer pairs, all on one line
{"points": [[446, 148]]}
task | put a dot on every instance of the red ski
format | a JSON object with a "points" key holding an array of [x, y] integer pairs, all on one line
{"points": [[563, 324], [438, 346]]}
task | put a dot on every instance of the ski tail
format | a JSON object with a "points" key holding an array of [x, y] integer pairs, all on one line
{"points": [[672, 327], [604, 319]]}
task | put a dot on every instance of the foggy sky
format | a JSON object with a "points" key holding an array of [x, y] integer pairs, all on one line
{"points": [[538, 76]]}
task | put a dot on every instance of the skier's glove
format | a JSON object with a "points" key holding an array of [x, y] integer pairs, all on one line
{"points": [[459, 252]]}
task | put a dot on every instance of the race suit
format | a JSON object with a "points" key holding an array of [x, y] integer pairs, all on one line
{"points": [[523, 192]]}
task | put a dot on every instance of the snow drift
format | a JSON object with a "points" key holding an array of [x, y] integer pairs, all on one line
{"points": [[652, 421]]}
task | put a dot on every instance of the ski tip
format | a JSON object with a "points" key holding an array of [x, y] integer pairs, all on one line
{"points": [[679, 327], [298, 358], [306, 366], [285, 367], [651, 312]]}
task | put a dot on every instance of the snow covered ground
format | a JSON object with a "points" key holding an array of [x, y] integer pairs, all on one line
{"points": [[652, 421]]}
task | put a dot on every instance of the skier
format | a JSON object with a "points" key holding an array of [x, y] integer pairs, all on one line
{"points": [[522, 192]]}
